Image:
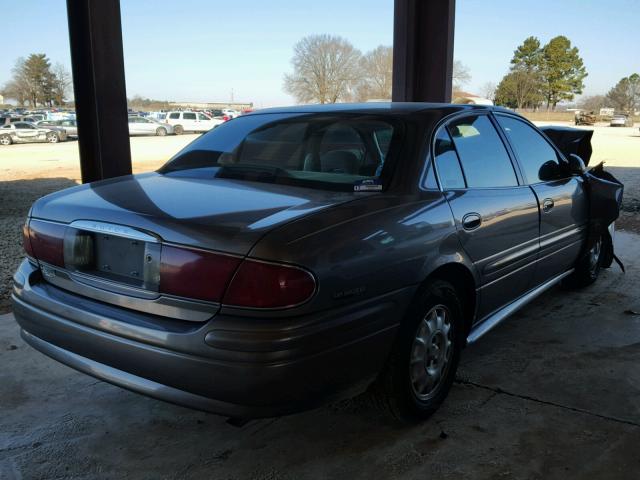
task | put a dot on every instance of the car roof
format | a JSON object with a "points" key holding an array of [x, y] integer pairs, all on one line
{"points": [[377, 107]]}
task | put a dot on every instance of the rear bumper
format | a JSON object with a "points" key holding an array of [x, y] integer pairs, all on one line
{"points": [[246, 367]]}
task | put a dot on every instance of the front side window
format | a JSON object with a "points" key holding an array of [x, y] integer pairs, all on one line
{"points": [[537, 158], [189, 116], [174, 115], [314, 150], [23, 126], [483, 156], [203, 117]]}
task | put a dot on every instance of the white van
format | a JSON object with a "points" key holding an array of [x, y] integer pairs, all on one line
{"points": [[191, 122]]}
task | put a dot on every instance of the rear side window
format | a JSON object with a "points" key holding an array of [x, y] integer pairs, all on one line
{"points": [[189, 116], [537, 158], [174, 115], [483, 156], [447, 164]]}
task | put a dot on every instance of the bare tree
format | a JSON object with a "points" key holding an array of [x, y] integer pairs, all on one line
{"points": [[488, 91], [325, 69], [376, 68], [461, 75], [61, 83]]}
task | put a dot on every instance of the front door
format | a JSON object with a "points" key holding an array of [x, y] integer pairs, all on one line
{"points": [[561, 198], [496, 217]]}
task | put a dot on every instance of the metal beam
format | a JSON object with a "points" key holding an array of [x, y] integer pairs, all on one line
{"points": [[423, 50], [97, 63]]}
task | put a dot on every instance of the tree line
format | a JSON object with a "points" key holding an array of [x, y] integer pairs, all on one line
{"points": [[624, 96], [35, 82], [329, 69], [542, 75]]}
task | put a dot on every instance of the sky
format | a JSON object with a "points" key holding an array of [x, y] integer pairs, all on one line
{"points": [[199, 50]]}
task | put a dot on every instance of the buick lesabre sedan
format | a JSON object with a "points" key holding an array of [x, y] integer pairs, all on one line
{"points": [[293, 256]]}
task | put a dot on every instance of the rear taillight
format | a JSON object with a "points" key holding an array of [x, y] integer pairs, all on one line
{"points": [[45, 241], [193, 273], [259, 284], [26, 241]]}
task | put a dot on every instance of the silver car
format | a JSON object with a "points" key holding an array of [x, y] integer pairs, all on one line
{"points": [[296, 255], [621, 121], [26, 132], [147, 126], [69, 125]]}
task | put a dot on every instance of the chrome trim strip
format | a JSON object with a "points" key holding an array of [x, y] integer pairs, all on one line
{"points": [[135, 299], [114, 229], [494, 319]]}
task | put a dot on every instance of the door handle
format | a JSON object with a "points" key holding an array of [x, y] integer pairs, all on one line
{"points": [[547, 205], [471, 221]]}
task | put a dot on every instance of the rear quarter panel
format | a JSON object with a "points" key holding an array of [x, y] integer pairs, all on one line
{"points": [[369, 247]]}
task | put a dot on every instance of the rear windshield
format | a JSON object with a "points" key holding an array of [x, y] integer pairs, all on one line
{"points": [[325, 151]]}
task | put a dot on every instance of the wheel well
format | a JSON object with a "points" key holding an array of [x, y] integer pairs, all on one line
{"points": [[462, 280]]}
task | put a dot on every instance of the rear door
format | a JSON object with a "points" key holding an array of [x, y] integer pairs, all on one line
{"points": [[496, 215], [189, 121], [561, 197]]}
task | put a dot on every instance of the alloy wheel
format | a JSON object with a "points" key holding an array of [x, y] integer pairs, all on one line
{"points": [[431, 352]]}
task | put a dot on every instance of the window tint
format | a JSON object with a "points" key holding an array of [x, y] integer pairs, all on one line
{"points": [[446, 158], [538, 159], [189, 116], [484, 159], [317, 150], [23, 126], [203, 117], [174, 115]]}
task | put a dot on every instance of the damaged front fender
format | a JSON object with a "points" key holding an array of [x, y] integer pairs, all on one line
{"points": [[604, 191]]}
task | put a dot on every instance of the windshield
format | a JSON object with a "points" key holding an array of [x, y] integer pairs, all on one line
{"points": [[326, 151]]}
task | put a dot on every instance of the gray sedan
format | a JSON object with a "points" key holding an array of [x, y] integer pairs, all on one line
{"points": [[148, 126], [69, 125], [298, 255]]}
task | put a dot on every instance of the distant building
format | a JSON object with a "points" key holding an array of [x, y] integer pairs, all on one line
{"points": [[213, 105], [466, 98]]}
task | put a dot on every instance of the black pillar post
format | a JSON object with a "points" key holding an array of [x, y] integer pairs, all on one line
{"points": [[97, 63], [423, 50]]}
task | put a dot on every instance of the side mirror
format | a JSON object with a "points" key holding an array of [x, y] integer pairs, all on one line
{"points": [[576, 165]]}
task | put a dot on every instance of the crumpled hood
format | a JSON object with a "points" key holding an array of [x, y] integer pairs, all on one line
{"points": [[571, 140], [219, 214]]}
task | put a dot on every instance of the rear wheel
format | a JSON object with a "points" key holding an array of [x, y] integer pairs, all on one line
{"points": [[178, 130], [53, 137], [587, 268], [424, 360], [5, 140], [161, 131]]}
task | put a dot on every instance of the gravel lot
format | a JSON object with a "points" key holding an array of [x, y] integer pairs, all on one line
{"points": [[30, 171]]}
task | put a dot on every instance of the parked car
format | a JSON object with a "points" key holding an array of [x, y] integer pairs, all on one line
{"points": [[230, 112], [295, 254], [16, 118], [24, 132], [191, 122], [70, 126], [621, 121], [148, 126]]}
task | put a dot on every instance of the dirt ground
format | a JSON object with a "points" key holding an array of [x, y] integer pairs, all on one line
{"points": [[552, 393], [30, 171]]}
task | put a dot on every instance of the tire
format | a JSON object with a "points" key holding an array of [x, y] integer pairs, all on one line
{"points": [[161, 131], [5, 140], [53, 137], [588, 267], [427, 350], [178, 130]]}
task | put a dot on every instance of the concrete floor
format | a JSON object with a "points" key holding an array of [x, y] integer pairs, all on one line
{"points": [[554, 392]]}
